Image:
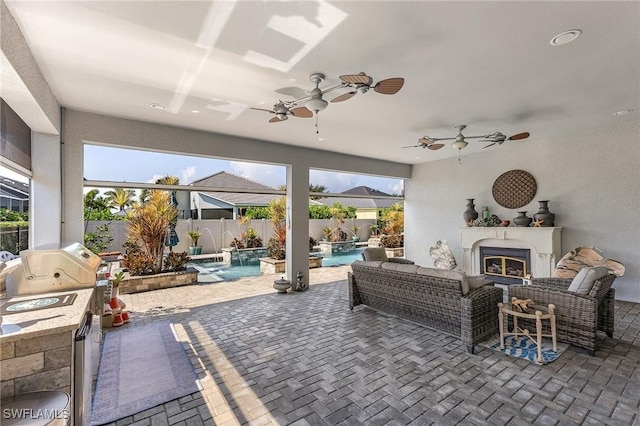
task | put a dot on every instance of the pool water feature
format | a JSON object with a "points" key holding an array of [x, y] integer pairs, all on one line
{"points": [[210, 271]]}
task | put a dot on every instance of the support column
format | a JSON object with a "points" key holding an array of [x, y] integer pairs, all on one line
{"points": [[297, 222], [46, 196]]}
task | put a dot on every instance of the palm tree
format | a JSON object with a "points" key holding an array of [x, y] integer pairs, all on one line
{"points": [[94, 202], [120, 198]]}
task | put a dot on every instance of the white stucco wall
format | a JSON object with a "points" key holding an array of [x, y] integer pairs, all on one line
{"points": [[592, 180], [46, 191]]}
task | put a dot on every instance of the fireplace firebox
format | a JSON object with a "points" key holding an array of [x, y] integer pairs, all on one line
{"points": [[505, 265]]}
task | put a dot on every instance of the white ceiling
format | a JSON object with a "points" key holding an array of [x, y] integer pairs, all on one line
{"points": [[485, 64]]}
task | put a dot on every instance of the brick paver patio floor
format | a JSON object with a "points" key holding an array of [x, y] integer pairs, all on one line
{"points": [[306, 359]]}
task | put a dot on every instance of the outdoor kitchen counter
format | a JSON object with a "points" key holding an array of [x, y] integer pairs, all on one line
{"points": [[45, 322]]}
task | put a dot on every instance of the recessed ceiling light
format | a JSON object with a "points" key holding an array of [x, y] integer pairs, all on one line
{"points": [[623, 112], [195, 111], [565, 37], [158, 106]]}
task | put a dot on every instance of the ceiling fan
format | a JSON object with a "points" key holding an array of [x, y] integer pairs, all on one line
{"points": [[460, 140], [314, 102]]}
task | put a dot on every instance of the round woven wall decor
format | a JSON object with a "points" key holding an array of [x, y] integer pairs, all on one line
{"points": [[514, 189]]}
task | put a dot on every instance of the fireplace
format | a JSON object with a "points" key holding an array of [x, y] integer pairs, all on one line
{"points": [[505, 265], [544, 245]]}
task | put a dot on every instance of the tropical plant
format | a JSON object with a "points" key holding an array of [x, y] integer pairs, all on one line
{"points": [[195, 236], [135, 260], [96, 207], [393, 227], [176, 261], [99, 240], [393, 220], [120, 198], [312, 243], [316, 188], [117, 279], [253, 240], [326, 231], [257, 212], [276, 247], [338, 214], [148, 225], [166, 180]]}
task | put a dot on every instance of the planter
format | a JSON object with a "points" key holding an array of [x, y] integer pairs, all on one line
{"points": [[394, 252], [140, 283], [233, 256], [195, 250], [269, 265], [337, 247]]}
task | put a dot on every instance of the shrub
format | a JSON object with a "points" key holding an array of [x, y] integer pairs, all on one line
{"points": [[136, 260], [176, 261], [98, 241]]}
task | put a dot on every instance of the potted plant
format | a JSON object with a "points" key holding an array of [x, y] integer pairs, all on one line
{"points": [[195, 236], [355, 229]]}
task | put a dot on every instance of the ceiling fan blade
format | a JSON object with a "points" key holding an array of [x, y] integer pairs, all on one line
{"points": [[301, 112], [491, 144], [277, 120], [344, 97], [519, 136], [412, 146], [265, 110], [435, 146], [361, 78], [389, 86]]}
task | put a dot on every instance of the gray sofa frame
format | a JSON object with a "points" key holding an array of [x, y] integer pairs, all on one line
{"points": [[431, 301]]}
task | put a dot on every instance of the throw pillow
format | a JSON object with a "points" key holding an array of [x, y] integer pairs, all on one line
{"points": [[444, 273], [477, 281], [401, 267], [583, 282]]}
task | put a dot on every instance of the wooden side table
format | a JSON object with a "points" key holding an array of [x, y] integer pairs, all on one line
{"points": [[540, 313]]}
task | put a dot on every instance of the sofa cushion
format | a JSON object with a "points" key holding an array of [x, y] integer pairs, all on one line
{"points": [[401, 267], [445, 273], [371, 264], [583, 282], [477, 281], [374, 254]]}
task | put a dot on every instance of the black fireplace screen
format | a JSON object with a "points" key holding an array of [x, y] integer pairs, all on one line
{"points": [[505, 265]]}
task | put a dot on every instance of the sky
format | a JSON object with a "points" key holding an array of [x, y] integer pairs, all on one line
{"points": [[116, 164]]}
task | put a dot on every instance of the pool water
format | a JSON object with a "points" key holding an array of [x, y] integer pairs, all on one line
{"points": [[212, 272]]}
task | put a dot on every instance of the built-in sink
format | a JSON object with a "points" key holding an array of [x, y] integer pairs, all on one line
{"points": [[37, 303]]}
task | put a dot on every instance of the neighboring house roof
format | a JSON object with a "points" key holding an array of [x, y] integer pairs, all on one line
{"points": [[361, 203], [12, 189], [229, 180]]}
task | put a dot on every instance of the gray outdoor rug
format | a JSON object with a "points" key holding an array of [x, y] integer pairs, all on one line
{"points": [[140, 368], [525, 348]]}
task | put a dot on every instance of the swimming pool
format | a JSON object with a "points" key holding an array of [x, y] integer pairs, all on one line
{"points": [[212, 272]]}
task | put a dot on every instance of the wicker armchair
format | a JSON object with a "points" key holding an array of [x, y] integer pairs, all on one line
{"points": [[578, 317]]}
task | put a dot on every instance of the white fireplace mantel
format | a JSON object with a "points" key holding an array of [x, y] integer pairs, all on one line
{"points": [[544, 243]]}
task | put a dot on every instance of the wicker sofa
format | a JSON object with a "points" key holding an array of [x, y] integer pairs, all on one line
{"points": [[428, 296], [578, 316]]}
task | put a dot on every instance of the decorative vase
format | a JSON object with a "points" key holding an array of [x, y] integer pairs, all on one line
{"points": [[544, 214], [485, 213], [470, 213], [522, 219]]}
